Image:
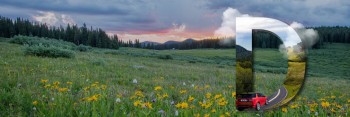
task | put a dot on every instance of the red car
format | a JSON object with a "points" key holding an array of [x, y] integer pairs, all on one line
{"points": [[254, 100]]}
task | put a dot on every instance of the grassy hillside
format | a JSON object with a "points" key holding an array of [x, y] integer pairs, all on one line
{"points": [[101, 82]]}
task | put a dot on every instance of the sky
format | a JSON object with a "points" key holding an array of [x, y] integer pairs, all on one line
{"points": [[163, 20]]}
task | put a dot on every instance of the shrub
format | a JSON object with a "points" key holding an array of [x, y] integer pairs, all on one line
{"points": [[46, 42], [53, 52], [166, 57], [83, 48]]}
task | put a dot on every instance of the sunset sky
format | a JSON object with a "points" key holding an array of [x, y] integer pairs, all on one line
{"points": [[163, 20]]}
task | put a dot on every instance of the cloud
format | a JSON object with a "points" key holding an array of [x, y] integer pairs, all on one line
{"points": [[178, 28], [308, 12], [228, 25], [54, 19]]}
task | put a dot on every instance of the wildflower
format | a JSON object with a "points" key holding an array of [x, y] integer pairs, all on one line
{"points": [[165, 95], [139, 94], [147, 105], [137, 103], [172, 102], [161, 111], [134, 81], [325, 104], [230, 86], [217, 96], [222, 102], [284, 109], [56, 83], [197, 115], [117, 100], [184, 84], [206, 115], [176, 113], [47, 86], [207, 86], [182, 105], [208, 95], [316, 113], [183, 91], [227, 113], [206, 104], [44, 81], [233, 94], [192, 85], [35, 103], [333, 97], [103, 87], [34, 108], [348, 100], [157, 88], [213, 110], [333, 110], [62, 89], [190, 99], [70, 83], [339, 106], [94, 97], [312, 109]]}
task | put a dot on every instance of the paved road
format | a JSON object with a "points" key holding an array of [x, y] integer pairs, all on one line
{"points": [[275, 98]]}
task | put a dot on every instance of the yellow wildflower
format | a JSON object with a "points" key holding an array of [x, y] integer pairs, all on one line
{"points": [[208, 95], [348, 100], [339, 106], [333, 97], [47, 86], [325, 104], [284, 109], [35, 103], [94, 97], [233, 94], [190, 99], [147, 105], [217, 96], [182, 105], [62, 89], [197, 115], [207, 86], [137, 103], [139, 94], [213, 110], [44, 81], [56, 83], [333, 110], [157, 88], [70, 83], [183, 91], [206, 115], [227, 114], [222, 102], [165, 95], [103, 87]]}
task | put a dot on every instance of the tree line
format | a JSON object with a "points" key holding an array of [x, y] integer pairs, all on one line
{"points": [[71, 33], [98, 38]]}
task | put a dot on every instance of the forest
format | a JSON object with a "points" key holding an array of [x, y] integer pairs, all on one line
{"points": [[96, 37]]}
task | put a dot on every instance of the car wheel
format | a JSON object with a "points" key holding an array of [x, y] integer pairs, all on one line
{"points": [[258, 106], [240, 108]]}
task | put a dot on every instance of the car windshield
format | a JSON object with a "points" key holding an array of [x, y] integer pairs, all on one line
{"points": [[245, 95]]}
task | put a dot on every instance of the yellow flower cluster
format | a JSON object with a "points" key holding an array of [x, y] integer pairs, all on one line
{"points": [[182, 105]]}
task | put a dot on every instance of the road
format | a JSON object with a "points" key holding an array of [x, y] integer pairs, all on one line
{"points": [[275, 98]]}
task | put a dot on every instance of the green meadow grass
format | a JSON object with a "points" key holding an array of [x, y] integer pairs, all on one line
{"points": [[100, 82]]}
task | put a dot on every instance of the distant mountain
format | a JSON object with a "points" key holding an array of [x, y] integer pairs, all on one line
{"points": [[243, 54], [189, 40], [171, 42], [148, 43]]}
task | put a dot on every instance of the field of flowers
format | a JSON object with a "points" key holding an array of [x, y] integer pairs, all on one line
{"points": [[98, 84]]}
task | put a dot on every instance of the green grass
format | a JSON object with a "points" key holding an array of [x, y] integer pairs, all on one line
{"points": [[211, 71]]}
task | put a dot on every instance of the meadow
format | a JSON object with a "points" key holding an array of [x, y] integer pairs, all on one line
{"points": [[140, 82]]}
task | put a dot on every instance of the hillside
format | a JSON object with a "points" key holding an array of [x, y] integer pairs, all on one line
{"points": [[101, 81]]}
